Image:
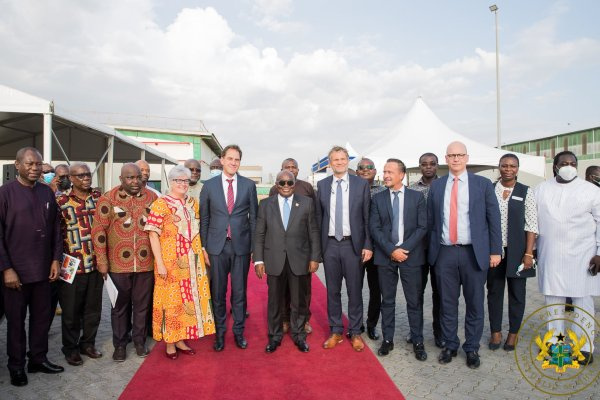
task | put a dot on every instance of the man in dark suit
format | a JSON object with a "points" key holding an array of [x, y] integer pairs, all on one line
{"points": [[343, 215], [465, 240], [287, 248], [228, 205], [398, 224], [302, 188]]}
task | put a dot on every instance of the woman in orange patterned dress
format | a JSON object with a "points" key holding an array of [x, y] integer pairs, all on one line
{"points": [[182, 306]]}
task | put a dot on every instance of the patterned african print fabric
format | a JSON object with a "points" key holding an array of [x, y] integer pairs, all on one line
{"points": [[118, 232], [76, 224], [182, 302]]}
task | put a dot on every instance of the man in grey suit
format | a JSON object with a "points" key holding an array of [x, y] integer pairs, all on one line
{"points": [[228, 205], [287, 248], [398, 224], [465, 240], [343, 215]]}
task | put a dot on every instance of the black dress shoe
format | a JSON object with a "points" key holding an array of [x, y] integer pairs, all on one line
{"points": [[240, 341], [302, 346], [74, 359], [446, 356], [408, 338], [589, 358], [272, 346], [18, 377], [45, 367], [473, 359], [120, 354], [372, 333], [439, 342], [141, 350], [420, 353], [219, 344], [386, 347]]}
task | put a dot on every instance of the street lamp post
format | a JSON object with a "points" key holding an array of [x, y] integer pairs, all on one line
{"points": [[494, 9]]}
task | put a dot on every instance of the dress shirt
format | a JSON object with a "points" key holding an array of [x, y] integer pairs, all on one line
{"points": [[463, 226], [345, 200], [400, 213], [422, 187], [226, 186], [281, 199]]}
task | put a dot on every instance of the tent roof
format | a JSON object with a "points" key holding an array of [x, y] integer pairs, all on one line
{"points": [[421, 131], [21, 124]]}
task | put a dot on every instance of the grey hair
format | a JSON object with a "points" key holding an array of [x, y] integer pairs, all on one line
{"points": [[177, 171]]}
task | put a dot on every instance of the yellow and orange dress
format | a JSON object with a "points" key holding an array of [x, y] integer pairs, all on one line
{"points": [[182, 303]]}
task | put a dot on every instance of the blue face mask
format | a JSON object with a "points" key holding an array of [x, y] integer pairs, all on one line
{"points": [[48, 177], [215, 172]]}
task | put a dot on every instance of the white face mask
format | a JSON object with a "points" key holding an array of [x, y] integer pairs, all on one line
{"points": [[568, 172], [215, 172]]}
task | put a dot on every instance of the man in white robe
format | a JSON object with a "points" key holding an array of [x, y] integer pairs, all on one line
{"points": [[568, 243]]}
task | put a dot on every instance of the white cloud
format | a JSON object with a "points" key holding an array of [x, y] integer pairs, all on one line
{"points": [[274, 15], [114, 57]]}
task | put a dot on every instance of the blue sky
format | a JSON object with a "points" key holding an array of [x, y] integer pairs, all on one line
{"points": [[291, 78]]}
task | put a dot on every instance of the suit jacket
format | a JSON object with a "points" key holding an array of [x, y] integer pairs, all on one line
{"points": [[214, 217], [299, 243], [484, 218], [359, 199], [415, 228]]}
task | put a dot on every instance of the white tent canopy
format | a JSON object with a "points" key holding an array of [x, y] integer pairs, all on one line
{"points": [[421, 131]]}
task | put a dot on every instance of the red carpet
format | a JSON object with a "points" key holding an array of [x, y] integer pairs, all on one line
{"points": [[339, 373]]}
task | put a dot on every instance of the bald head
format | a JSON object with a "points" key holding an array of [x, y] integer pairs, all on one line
{"points": [[194, 166], [145, 170], [286, 175], [131, 179], [457, 158]]}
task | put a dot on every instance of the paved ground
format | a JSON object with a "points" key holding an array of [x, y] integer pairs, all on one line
{"points": [[497, 378]]}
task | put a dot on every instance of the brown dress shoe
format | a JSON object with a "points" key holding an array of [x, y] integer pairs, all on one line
{"points": [[91, 352], [141, 350], [286, 326], [307, 327], [74, 359], [357, 343], [120, 354], [333, 341]]}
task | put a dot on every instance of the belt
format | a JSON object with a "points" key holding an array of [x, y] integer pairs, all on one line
{"points": [[343, 238], [457, 245]]}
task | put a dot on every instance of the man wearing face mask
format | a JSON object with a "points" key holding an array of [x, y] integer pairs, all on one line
{"points": [[216, 168], [568, 245], [592, 175]]}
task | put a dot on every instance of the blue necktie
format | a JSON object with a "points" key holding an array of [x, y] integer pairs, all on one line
{"points": [[339, 212], [286, 213], [395, 218]]}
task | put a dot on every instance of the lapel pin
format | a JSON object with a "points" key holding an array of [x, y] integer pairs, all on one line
{"points": [[297, 205]]}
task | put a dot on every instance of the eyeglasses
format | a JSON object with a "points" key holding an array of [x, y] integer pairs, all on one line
{"points": [[283, 183], [456, 156], [49, 171], [83, 176], [182, 181], [363, 167], [195, 169]]}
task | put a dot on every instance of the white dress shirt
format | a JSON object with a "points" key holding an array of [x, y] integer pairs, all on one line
{"points": [[400, 213], [226, 186], [346, 202]]}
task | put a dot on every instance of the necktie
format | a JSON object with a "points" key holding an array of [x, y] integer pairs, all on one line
{"points": [[286, 213], [454, 212], [395, 218], [339, 212], [229, 203]]}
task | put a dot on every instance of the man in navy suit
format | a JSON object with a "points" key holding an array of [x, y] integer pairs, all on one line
{"points": [[465, 240], [228, 206], [343, 215], [398, 224]]}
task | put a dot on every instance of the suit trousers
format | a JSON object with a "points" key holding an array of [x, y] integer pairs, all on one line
{"points": [[374, 292], [340, 262], [496, 281], [81, 303], [53, 300], [287, 300], [584, 307], [35, 297], [411, 286], [435, 297], [221, 266], [456, 266], [135, 291], [296, 286]]}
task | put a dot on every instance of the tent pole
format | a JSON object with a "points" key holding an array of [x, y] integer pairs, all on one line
{"points": [[47, 138], [60, 147], [164, 182], [143, 155], [109, 162]]}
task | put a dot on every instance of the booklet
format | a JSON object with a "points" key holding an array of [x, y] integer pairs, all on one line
{"points": [[68, 269], [112, 291]]}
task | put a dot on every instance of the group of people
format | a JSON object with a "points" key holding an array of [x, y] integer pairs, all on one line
{"points": [[170, 256]]}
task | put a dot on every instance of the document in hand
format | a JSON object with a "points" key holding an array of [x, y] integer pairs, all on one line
{"points": [[112, 290], [68, 269]]}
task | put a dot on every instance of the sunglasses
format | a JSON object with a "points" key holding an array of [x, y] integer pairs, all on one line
{"points": [[195, 169], [283, 183], [364, 167]]}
